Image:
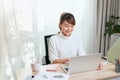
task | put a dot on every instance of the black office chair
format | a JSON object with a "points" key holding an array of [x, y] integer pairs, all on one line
{"points": [[46, 38]]}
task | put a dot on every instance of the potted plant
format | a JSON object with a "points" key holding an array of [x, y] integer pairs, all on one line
{"points": [[113, 25]]}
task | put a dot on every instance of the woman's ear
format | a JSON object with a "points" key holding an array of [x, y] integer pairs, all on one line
{"points": [[59, 27]]}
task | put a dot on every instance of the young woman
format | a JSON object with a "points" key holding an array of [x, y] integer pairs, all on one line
{"points": [[64, 45]]}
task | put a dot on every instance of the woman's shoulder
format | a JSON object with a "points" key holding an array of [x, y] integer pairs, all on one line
{"points": [[54, 36]]}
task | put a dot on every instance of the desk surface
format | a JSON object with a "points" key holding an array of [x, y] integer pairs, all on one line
{"points": [[107, 72]]}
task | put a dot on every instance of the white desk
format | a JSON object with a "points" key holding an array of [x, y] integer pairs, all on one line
{"points": [[107, 71]]}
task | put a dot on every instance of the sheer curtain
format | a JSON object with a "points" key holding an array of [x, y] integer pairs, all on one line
{"points": [[23, 24], [18, 39]]}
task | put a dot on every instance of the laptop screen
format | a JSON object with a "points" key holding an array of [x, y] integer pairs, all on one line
{"points": [[83, 63]]}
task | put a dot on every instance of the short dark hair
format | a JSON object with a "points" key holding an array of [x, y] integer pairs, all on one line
{"points": [[68, 17]]}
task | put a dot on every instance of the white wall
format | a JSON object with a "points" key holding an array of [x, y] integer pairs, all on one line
{"points": [[48, 13]]}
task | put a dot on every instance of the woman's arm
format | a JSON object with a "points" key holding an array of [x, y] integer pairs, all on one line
{"points": [[53, 55], [61, 61]]}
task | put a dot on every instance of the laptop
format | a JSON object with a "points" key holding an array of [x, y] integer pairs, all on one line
{"points": [[83, 63]]}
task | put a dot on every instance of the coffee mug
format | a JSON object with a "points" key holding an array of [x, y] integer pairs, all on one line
{"points": [[35, 66]]}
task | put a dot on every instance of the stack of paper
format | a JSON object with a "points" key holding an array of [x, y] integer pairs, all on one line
{"points": [[51, 76]]}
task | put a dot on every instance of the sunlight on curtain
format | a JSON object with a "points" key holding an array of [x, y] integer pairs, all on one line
{"points": [[17, 37], [23, 24], [5, 66]]}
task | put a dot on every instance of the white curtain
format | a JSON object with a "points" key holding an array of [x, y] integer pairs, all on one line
{"points": [[18, 39], [23, 24]]}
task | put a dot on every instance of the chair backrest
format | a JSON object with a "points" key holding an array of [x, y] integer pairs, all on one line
{"points": [[46, 39]]}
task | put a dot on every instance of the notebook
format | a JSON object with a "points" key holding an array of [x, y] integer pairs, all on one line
{"points": [[52, 67], [83, 63]]}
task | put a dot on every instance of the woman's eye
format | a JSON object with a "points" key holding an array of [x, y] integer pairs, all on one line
{"points": [[66, 26]]}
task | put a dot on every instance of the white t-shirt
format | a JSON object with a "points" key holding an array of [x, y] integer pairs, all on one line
{"points": [[61, 46]]}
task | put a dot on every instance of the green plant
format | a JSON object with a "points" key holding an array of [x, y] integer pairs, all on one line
{"points": [[112, 26]]}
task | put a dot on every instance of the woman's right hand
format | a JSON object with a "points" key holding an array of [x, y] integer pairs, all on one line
{"points": [[61, 61]]}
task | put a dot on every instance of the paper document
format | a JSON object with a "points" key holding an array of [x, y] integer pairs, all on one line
{"points": [[52, 67], [51, 76]]}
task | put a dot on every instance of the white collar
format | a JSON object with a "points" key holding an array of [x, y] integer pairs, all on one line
{"points": [[63, 36]]}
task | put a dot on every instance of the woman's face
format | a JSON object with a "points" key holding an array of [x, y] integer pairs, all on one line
{"points": [[66, 28]]}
